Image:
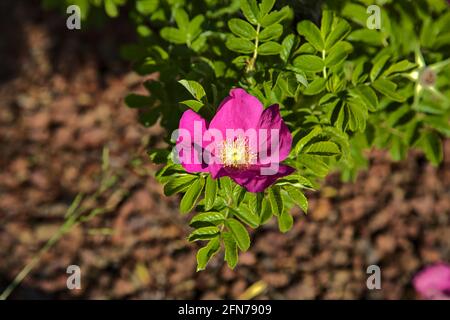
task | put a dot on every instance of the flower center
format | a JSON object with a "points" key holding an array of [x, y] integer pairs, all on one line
{"points": [[236, 153]]}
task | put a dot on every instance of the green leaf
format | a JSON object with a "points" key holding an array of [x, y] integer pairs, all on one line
{"points": [[169, 171], [398, 67], [276, 201], [285, 221], [305, 48], [210, 192], [226, 184], [338, 54], [439, 66], [316, 131], [296, 181], [357, 73], [240, 45], [207, 252], [397, 148], [266, 212], [254, 201], [439, 123], [199, 43], [178, 184], [231, 252], [158, 156], [146, 6], [111, 8], [269, 48], [387, 88], [194, 28], [315, 164], [399, 115], [250, 11], [308, 62], [204, 233], [182, 19], [428, 33], [339, 32], [240, 61], [326, 23], [315, 87], [357, 114], [442, 40], [239, 233], [191, 196], [301, 78], [193, 104], [246, 215], [298, 197], [355, 12], [378, 66], [370, 37], [173, 35], [275, 16], [242, 29], [149, 118], [205, 219], [323, 149], [432, 146], [265, 6], [311, 33], [194, 88], [368, 96], [143, 31], [271, 33], [138, 101], [286, 47]]}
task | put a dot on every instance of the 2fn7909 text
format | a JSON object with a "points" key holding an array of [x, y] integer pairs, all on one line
{"points": [[241, 309]]}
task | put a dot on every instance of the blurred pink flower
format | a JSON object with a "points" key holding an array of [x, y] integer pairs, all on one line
{"points": [[433, 282]]}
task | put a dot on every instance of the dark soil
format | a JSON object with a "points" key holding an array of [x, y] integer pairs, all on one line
{"points": [[61, 103]]}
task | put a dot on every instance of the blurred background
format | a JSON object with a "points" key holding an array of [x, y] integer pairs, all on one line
{"points": [[65, 135]]}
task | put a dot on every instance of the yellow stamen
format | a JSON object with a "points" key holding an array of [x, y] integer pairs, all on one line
{"points": [[236, 153]]}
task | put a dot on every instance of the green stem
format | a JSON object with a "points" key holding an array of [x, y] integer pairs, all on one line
{"points": [[394, 131], [35, 260], [72, 217], [252, 61], [324, 68]]}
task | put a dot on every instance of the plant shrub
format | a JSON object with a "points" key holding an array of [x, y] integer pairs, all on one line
{"points": [[341, 88]]}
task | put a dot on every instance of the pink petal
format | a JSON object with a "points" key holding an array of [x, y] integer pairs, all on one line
{"points": [[191, 122], [433, 282], [217, 171], [254, 181], [277, 150], [239, 110]]}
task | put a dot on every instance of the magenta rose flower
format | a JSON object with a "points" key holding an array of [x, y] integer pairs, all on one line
{"points": [[433, 282], [243, 141]]}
